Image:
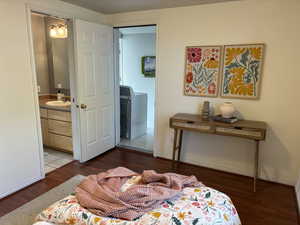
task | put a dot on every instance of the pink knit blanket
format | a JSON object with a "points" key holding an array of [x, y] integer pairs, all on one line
{"points": [[101, 194]]}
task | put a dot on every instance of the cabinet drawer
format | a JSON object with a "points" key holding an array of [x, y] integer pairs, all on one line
{"points": [[44, 113], [61, 142], [60, 127], [59, 115]]}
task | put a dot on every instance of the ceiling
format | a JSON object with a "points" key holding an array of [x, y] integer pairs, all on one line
{"points": [[118, 6]]}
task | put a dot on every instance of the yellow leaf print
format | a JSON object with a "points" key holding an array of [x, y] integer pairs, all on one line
{"points": [[156, 214], [256, 52], [71, 221], [97, 219], [237, 85], [211, 64], [210, 204], [189, 67], [226, 217], [231, 53], [237, 71], [197, 190], [181, 215]]}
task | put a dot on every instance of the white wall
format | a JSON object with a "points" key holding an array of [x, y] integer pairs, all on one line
{"points": [[134, 47], [19, 147], [275, 22]]}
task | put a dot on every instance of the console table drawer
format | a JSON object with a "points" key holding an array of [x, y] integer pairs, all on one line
{"points": [[193, 126], [247, 133]]}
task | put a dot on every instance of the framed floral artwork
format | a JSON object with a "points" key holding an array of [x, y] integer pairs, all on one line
{"points": [[242, 71], [202, 70]]}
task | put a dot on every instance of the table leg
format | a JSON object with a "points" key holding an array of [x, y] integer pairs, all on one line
{"points": [[256, 166], [180, 144], [174, 146]]}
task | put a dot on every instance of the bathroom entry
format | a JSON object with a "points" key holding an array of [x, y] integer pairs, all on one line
{"points": [[50, 44], [75, 85], [137, 58]]}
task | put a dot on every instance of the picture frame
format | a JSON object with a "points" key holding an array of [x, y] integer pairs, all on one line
{"points": [[242, 71], [202, 70], [149, 66]]}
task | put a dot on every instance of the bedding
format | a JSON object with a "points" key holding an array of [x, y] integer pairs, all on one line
{"points": [[195, 206]]}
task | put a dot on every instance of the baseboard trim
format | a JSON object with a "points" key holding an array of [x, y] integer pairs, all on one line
{"points": [[297, 199], [18, 188]]}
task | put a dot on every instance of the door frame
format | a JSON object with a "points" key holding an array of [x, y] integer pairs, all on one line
{"points": [[117, 85], [74, 112]]}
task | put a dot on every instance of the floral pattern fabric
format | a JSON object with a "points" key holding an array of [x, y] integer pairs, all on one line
{"points": [[196, 206], [202, 70]]}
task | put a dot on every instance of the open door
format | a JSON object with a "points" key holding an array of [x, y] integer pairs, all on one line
{"points": [[95, 88]]}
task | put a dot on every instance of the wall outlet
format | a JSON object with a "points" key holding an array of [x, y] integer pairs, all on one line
{"points": [[39, 88]]}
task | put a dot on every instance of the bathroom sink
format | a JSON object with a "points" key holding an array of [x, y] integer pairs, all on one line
{"points": [[58, 103]]}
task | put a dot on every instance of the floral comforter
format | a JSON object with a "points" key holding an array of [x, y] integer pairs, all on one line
{"points": [[196, 206]]}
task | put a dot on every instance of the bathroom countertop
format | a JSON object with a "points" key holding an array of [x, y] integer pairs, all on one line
{"points": [[43, 105]]}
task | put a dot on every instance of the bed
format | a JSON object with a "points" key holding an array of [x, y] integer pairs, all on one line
{"points": [[195, 206]]}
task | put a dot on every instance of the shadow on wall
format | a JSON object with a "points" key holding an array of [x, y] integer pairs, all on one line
{"points": [[274, 146]]}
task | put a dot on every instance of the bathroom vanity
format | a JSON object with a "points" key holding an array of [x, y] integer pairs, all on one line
{"points": [[56, 125]]}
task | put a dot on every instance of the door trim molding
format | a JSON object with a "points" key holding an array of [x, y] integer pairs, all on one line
{"points": [[35, 92]]}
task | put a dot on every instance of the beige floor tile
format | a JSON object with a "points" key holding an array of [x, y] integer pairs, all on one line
{"points": [[55, 159]]}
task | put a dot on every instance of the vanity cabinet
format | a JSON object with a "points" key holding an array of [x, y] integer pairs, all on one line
{"points": [[57, 129]]}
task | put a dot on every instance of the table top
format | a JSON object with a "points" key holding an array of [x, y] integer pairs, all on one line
{"points": [[241, 123]]}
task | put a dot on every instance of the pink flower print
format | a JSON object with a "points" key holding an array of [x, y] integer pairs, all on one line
{"points": [[165, 205], [196, 204], [194, 55], [212, 88], [207, 53]]}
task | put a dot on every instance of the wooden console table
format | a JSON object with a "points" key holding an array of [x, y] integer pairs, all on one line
{"points": [[254, 130]]}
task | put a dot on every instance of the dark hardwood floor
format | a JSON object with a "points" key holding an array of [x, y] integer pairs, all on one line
{"points": [[272, 204]]}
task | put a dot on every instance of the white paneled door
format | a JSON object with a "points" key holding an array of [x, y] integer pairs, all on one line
{"points": [[95, 87]]}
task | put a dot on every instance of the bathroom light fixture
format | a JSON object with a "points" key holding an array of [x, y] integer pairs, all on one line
{"points": [[58, 31]]}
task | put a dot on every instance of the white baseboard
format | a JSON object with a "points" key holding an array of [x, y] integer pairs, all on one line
{"points": [[297, 193], [20, 186]]}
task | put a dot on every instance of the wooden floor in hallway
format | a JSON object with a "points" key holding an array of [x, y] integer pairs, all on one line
{"points": [[272, 204]]}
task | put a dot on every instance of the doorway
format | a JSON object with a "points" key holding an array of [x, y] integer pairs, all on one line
{"points": [[91, 104], [137, 79], [51, 43]]}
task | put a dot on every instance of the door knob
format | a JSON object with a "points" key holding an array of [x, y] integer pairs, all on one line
{"points": [[83, 106]]}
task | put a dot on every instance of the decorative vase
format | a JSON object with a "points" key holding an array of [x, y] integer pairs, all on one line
{"points": [[227, 109]]}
